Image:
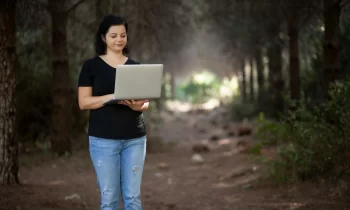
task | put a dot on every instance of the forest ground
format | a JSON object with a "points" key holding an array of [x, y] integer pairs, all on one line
{"points": [[201, 165]]}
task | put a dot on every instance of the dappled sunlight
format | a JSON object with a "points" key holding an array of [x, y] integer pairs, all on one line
{"points": [[179, 106], [202, 87], [198, 87], [204, 77], [211, 104], [229, 87]]}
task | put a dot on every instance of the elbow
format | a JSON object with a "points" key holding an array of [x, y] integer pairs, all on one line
{"points": [[82, 106]]}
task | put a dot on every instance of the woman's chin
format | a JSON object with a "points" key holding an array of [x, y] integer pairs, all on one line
{"points": [[118, 49]]}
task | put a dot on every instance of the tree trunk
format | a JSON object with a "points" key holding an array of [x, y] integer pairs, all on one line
{"points": [[294, 61], [244, 83], [251, 80], [160, 102], [331, 47], [99, 14], [62, 89], [260, 74], [172, 84], [274, 54], [8, 144]]}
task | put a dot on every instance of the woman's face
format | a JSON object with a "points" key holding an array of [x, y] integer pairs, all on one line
{"points": [[116, 38]]}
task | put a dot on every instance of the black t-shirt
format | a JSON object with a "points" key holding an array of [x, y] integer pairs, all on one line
{"points": [[111, 121]]}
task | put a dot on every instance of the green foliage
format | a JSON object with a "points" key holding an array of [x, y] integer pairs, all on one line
{"points": [[241, 110], [255, 149], [34, 86], [200, 87], [34, 90], [311, 56], [311, 59], [270, 132], [312, 141]]}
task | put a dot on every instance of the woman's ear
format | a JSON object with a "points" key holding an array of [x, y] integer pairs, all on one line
{"points": [[103, 38]]}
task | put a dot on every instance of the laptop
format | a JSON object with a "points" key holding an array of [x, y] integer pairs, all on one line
{"points": [[137, 82]]}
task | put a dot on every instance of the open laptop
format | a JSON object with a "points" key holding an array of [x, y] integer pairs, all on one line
{"points": [[137, 82]]}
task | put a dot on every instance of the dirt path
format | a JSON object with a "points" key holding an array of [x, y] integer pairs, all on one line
{"points": [[172, 180], [69, 183]]}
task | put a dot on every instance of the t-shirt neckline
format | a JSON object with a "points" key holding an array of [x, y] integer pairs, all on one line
{"points": [[127, 59]]}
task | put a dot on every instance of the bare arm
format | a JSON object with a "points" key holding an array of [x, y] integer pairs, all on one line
{"points": [[87, 101]]}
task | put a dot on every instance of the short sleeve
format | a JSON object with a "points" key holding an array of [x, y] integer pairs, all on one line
{"points": [[85, 77]]}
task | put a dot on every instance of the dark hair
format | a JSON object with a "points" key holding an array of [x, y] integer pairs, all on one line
{"points": [[107, 22]]}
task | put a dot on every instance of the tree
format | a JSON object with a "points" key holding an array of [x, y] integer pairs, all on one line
{"points": [[331, 46], [61, 77], [243, 85], [8, 144], [63, 95], [270, 27], [297, 12], [260, 73], [251, 79]]}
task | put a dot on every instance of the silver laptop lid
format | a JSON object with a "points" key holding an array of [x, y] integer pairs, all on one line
{"points": [[142, 81]]}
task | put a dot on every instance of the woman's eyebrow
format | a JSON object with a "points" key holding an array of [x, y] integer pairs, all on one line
{"points": [[117, 33]]}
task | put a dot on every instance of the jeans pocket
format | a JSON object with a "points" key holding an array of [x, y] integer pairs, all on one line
{"points": [[94, 143]]}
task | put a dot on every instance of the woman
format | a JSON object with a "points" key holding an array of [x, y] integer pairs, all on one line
{"points": [[117, 134]]}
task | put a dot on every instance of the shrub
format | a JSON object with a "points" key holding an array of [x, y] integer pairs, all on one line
{"points": [[199, 88], [241, 110], [312, 141]]}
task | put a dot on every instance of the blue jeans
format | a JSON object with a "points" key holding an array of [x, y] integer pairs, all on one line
{"points": [[119, 165]]}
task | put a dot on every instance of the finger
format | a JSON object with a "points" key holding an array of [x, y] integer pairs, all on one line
{"points": [[126, 102], [141, 101], [144, 101]]}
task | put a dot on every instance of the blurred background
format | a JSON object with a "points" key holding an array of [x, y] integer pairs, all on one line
{"points": [[262, 79]]}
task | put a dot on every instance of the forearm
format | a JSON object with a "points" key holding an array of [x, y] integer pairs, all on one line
{"points": [[93, 102]]}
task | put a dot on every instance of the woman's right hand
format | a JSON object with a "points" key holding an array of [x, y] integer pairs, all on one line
{"points": [[108, 97]]}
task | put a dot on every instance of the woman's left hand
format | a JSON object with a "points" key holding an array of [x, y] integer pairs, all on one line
{"points": [[134, 104]]}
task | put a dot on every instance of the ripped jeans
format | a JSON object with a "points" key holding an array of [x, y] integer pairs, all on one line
{"points": [[118, 165]]}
